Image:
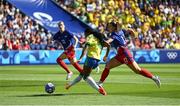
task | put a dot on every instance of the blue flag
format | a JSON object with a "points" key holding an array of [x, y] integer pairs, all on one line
{"points": [[47, 13]]}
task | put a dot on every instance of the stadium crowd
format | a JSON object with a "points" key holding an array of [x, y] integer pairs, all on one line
{"points": [[19, 32], [155, 22]]}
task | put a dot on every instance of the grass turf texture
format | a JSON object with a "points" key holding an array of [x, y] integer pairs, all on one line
{"points": [[24, 85]]}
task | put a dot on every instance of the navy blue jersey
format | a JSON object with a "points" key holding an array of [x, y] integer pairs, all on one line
{"points": [[119, 39], [66, 38]]}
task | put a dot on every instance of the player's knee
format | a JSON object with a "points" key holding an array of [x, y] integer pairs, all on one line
{"points": [[108, 67], [58, 60]]}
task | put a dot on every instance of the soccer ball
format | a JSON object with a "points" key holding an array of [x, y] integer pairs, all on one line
{"points": [[49, 88]]}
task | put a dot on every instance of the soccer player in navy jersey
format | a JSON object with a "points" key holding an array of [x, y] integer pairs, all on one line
{"points": [[64, 37], [123, 56]]}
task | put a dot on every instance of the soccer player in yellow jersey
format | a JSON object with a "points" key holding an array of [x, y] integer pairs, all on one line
{"points": [[94, 45]]}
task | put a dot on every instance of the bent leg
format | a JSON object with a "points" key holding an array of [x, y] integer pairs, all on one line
{"points": [[135, 67], [75, 81], [89, 79], [111, 64], [60, 59]]}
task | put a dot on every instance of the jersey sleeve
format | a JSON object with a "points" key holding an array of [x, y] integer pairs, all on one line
{"points": [[55, 36]]}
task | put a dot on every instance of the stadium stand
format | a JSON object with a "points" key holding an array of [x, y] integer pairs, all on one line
{"points": [[19, 32], [155, 22]]}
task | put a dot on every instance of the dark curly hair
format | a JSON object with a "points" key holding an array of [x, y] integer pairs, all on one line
{"points": [[98, 35]]}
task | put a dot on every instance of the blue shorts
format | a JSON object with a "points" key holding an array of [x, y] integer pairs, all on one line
{"points": [[91, 62]]}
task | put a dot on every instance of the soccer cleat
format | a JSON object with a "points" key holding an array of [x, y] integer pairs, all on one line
{"points": [[69, 75], [102, 91], [67, 86], [157, 81]]}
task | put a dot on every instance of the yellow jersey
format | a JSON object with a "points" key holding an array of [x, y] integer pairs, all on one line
{"points": [[94, 47]]}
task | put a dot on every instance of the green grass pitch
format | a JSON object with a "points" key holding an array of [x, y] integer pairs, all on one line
{"points": [[24, 85]]}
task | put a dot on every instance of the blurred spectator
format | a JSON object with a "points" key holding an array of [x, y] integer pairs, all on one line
{"points": [[16, 45], [1, 41], [177, 44], [26, 46]]}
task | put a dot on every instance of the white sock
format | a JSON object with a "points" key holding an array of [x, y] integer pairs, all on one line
{"points": [[76, 80], [92, 83]]}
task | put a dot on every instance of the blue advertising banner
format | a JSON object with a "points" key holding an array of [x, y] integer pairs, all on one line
{"points": [[36, 57], [28, 57], [48, 14], [170, 56], [146, 56], [49, 57]]}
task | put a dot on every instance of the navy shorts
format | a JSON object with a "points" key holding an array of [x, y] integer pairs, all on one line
{"points": [[91, 62]]}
